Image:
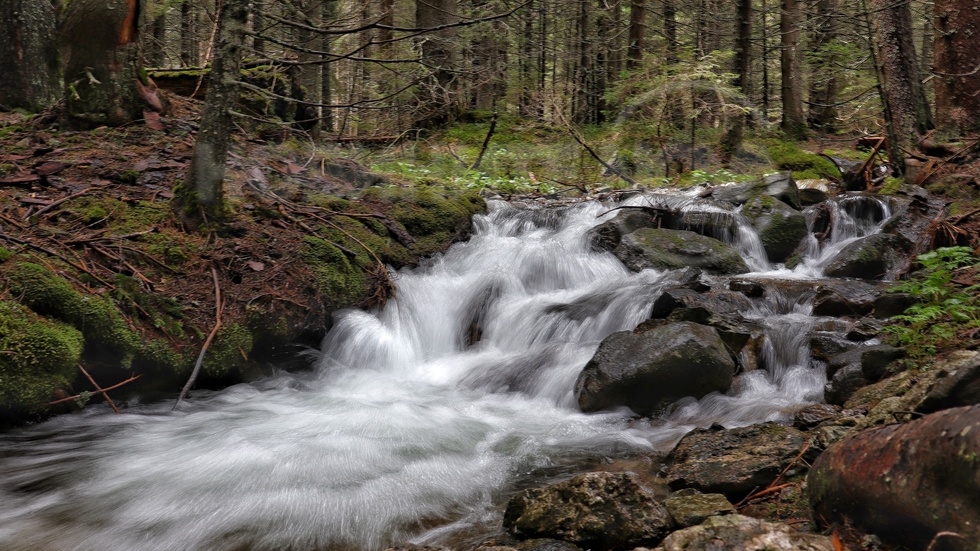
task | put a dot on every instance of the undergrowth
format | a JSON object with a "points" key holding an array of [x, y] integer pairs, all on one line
{"points": [[948, 313]]}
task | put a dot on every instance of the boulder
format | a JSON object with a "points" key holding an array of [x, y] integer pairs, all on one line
{"points": [[742, 533], [905, 482], [844, 383], [690, 509], [893, 304], [733, 461], [781, 228], [845, 299], [858, 368], [713, 302], [813, 191], [781, 186], [876, 256], [824, 345], [751, 289], [608, 235], [815, 414], [662, 249], [595, 510], [649, 370]]}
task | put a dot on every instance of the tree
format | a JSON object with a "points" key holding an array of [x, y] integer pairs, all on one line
{"points": [[28, 55], [201, 196], [102, 73], [436, 96], [824, 83], [906, 109], [791, 70], [637, 30], [957, 66]]}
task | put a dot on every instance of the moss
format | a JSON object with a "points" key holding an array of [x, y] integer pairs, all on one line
{"points": [[804, 165], [5, 254], [338, 281], [105, 330], [39, 356], [229, 351]]}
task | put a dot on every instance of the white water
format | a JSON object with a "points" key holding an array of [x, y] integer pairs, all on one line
{"points": [[404, 431]]}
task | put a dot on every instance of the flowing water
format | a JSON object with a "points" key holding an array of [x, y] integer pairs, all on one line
{"points": [[418, 421]]}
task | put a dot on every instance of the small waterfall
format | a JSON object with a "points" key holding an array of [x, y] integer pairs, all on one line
{"points": [[836, 223], [419, 419]]}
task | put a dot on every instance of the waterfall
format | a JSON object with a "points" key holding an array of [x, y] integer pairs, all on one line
{"points": [[419, 418]]}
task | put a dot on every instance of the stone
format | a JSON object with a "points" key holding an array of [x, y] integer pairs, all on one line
{"points": [[663, 249], [863, 330], [751, 289], [733, 462], [824, 345], [691, 510], [844, 383], [845, 299], [876, 256], [608, 235], [893, 304], [780, 185], [647, 371], [815, 414], [596, 510], [742, 533], [781, 228], [905, 482]]}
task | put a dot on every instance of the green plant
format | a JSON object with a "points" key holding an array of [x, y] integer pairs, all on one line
{"points": [[947, 313]]}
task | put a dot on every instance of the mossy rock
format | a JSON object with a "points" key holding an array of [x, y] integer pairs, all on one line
{"points": [[804, 165], [229, 352], [663, 249], [339, 282], [39, 356], [780, 226], [107, 335]]}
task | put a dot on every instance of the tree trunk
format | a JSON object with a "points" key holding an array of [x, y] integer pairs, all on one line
{"points": [[102, 55], [957, 64], [28, 54], [201, 196], [743, 47], [189, 55], [436, 95], [791, 74], [902, 91], [823, 80], [637, 30], [670, 31]]}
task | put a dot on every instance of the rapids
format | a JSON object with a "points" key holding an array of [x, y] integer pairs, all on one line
{"points": [[418, 421]]}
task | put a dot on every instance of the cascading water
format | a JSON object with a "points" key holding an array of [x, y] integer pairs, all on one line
{"points": [[417, 422]]}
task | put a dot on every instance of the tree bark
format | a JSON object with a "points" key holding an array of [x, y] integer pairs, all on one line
{"points": [[790, 67], [957, 64], [436, 94], [670, 31], [902, 92], [823, 81], [102, 62], [743, 46], [189, 55], [28, 54], [637, 31], [201, 196]]}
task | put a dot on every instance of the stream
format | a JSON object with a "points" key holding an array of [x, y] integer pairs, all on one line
{"points": [[420, 420]]}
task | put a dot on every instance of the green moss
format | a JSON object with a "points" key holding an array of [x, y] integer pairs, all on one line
{"points": [[105, 330], [5, 254], [338, 281], [805, 166], [38, 357], [229, 351]]}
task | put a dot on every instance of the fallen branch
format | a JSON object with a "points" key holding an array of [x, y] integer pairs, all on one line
{"points": [[486, 142], [106, 389], [60, 201], [218, 307], [591, 151], [100, 390], [57, 255], [775, 486]]}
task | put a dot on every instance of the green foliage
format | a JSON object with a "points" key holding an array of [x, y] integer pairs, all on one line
{"points": [[945, 311], [805, 166], [37, 356], [96, 317], [5, 254]]}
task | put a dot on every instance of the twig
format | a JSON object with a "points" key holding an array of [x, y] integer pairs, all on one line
{"points": [[964, 217], [218, 307], [55, 254], [773, 486], [935, 539], [106, 389], [486, 142], [62, 200], [591, 151], [99, 389]]}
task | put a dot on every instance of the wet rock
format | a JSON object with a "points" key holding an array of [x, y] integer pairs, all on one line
{"points": [[863, 330], [857, 368], [844, 383], [608, 235], [732, 461], [751, 289], [649, 370], [594, 510], [876, 256], [693, 509], [414, 547], [824, 345], [744, 533], [905, 482], [662, 249], [813, 191], [719, 302], [893, 304], [781, 227], [957, 383], [781, 186], [815, 414], [845, 298]]}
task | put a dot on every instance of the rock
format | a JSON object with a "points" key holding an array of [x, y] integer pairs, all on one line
{"points": [[877, 256], [662, 249], [713, 302], [732, 461], [781, 228], [858, 368], [844, 383], [751, 289], [815, 414], [893, 304], [648, 371], [781, 186], [544, 544], [690, 510], [595, 510], [742, 533], [813, 191], [608, 235], [826, 344], [863, 330], [846, 298], [905, 482], [957, 383]]}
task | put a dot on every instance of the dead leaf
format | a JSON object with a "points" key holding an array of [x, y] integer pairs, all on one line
{"points": [[255, 265], [49, 168], [152, 120]]}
